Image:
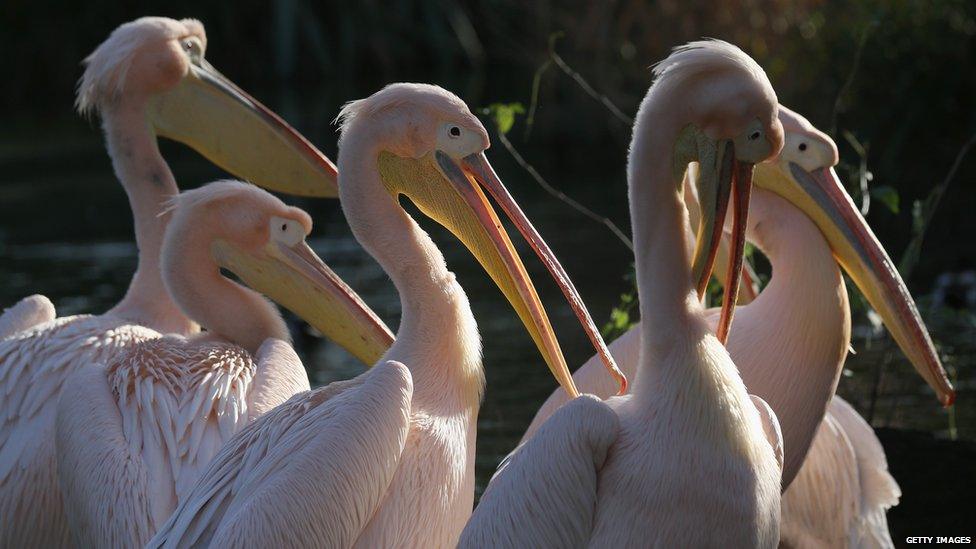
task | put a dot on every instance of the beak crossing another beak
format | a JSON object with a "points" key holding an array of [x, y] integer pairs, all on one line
{"points": [[821, 196], [449, 191], [222, 122], [722, 178], [477, 165], [212, 115]]}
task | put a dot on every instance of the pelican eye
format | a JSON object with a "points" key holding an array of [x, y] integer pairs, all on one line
{"points": [[193, 48], [287, 231]]}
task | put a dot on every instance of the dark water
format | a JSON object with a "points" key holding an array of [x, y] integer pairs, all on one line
{"points": [[65, 231]]}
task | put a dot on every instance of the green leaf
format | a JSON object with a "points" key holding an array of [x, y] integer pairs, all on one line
{"points": [[504, 115], [887, 196]]}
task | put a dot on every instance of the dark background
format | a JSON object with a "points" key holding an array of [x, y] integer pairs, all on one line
{"points": [[896, 77], [908, 97]]}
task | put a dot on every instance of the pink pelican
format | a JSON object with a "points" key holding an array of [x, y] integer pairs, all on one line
{"points": [[687, 458], [386, 459], [133, 435], [148, 78], [792, 355]]}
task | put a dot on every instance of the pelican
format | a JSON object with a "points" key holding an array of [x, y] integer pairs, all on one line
{"points": [[133, 435], [148, 78], [386, 459], [687, 458], [791, 342], [25, 314]]}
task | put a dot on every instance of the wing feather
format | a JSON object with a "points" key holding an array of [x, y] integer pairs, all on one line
{"points": [[311, 471], [544, 494], [591, 377], [820, 506], [34, 365], [878, 489], [96, 470], [770, 426]]}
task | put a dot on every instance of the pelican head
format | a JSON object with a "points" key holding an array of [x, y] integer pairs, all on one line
{"points": [[258, 238], [157, 65], [731, 124], [430, 148], [803, 173]]}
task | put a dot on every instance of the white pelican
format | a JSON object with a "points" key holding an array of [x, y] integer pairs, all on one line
{"points": [[790, 343], [149, 77], [687, 458], [385, 459], [26, 314], [134, 434]]}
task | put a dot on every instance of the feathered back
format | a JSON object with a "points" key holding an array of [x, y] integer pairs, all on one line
{"points": [[107, 66]]}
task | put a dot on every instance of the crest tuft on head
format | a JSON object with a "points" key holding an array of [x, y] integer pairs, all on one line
{"points": [[106, 68]]}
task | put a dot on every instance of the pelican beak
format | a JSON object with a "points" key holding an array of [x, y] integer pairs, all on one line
{"points": [[294, 277], [822, 197], [722, 177], [230, 128], [478, 166], [749, 287], [449, 191]]}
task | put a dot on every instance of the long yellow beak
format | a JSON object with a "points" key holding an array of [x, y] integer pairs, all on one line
{"points": [[822, 197], [477, 165], [222, 122], [448, 191], [295, 278]]}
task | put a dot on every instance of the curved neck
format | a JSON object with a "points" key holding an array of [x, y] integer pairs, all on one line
{"points": [[670, 311], [149, 183], [225, 308], [794, 336], [438, 338]]}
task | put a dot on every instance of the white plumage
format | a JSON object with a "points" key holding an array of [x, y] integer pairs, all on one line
{"points": [[385, 459], [25, 314], [693, 462], [790, 345], [134, 436], [34, 367]]}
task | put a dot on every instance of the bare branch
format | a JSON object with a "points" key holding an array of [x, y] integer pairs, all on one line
{"points": [[578, 78], [562, 196], [850, 78], [910, 257]]}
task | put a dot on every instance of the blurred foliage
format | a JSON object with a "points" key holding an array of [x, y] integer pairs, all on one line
{"points": [[503, 115], [626, 313]]}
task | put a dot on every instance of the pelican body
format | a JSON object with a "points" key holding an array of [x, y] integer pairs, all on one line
{"points": [[134, 434], [387, 459], [791, 341], [148, 78], [688, 457]]}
